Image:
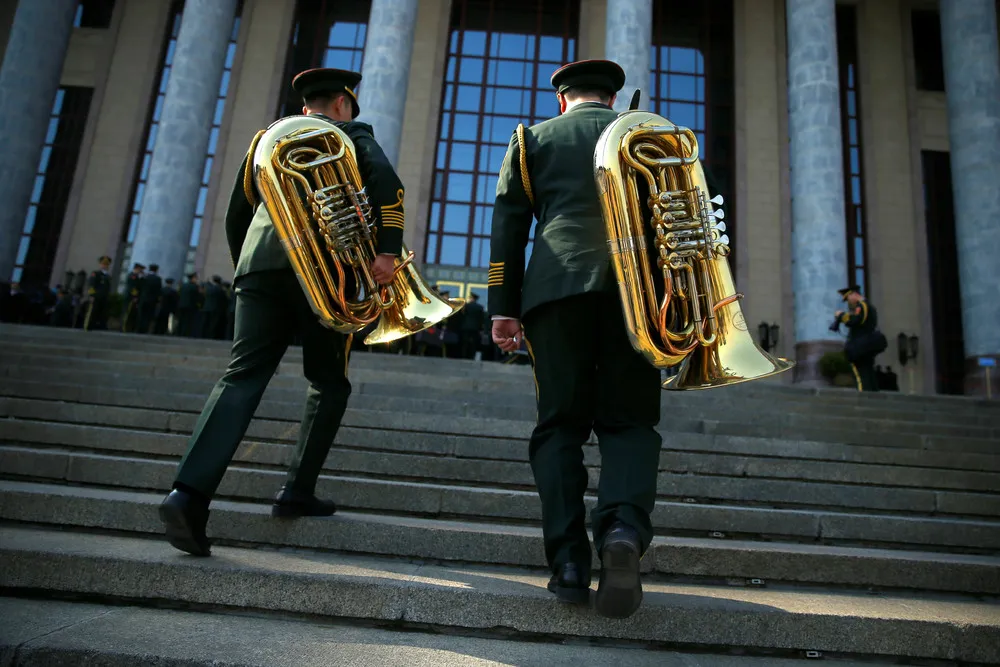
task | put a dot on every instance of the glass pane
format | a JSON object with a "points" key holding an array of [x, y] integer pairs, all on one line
{"points": [[207, 172], [855, 163], [851, 110], [449, 93], [158, 109], [430, 255], [465, 126], [682, 60], [856, 189], [684, 114], [140, 190], [36, 190], [463, 156], [171, 50], [224, 84], [858, 220], [486, 190], [22, 250], [551, 48], [29, 220], [683, 87], [195, 232], [343, 34], [512, 73], [50, 135], [435, 221], [470, 70], [456, 218], [43, 162], [453, 43], [469, 98], [453, 250], [230, 56], [165, 79], [145, 166], [151, 142], [852, 125], [213, 140], [514, 46], [450, 75], [859, 251], [508, 101], [15, 276], [199, 209], [459, 187], [339, 58], [220, 108], [474, 43], [441, 154], [477, 253], [445, 125], [484, 221], [57, 105]]}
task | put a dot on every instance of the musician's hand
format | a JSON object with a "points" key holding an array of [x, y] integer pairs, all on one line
{"points": [[507, 334], [383, 268], [838, 313]]}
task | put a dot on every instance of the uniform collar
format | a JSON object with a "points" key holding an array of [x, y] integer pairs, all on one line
{"points": [[590, 105]]}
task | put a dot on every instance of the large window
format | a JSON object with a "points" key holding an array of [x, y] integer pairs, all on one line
{"points": [[500, 58], [326, 33], [151, 132], [53, 181], [850, 115], [692, 84]]}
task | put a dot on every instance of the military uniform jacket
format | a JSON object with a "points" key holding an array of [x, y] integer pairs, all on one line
{"points": [[132, 286], [188, 297], [214, 296], [149, 292], [98, 285], [550, 178], [254, 245], [860, 321]]}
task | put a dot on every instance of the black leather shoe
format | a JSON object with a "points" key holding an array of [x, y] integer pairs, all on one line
{"points": [[289, 504], [570, 584], [185, 518], [619, 592]]}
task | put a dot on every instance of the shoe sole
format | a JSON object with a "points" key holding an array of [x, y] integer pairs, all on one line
{"points": [[577, 596], [619, 593], [179, 532]]}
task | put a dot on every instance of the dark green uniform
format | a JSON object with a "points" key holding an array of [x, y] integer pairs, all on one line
{"points": [[587, 375], [168, 305], [213, 312], [270, 310], [98, 290], [187, 308], [151, 287], [861, 321], [130, 316]]}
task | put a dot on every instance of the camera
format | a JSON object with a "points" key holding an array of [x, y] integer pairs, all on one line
{"points": [[835, 327]]}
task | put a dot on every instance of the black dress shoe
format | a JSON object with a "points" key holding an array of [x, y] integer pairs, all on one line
{"points": [[185, 518], [619, 592], [570, 584], [289, 504]]}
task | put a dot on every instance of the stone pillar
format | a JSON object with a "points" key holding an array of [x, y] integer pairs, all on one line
{"points": [[819, 244], [163, 234], [972, 84], [628, 41], [386, 71], [29, 79]]}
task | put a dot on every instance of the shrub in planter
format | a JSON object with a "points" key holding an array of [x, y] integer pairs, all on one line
{"points": [[835, 368]]}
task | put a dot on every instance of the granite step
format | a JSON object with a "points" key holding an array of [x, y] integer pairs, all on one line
{"points": [[13, 334], [972, 494], [491, 599], [733, 562], [279, 404], [429, 499], [198, 374], [43, 633]]}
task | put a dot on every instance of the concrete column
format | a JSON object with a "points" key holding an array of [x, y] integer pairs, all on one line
{"points": [[628, 42], [819, 245], [972, 84], [163, 234], [386, 71], [29, 79]]}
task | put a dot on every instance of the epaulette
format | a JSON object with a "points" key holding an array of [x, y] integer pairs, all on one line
{"points": [[523, 152]]}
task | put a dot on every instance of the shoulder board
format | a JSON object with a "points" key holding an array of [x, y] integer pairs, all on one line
{"points": [[523, 152]]}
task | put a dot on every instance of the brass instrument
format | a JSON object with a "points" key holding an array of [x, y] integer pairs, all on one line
{"points": [[307, 175], [686, 311]]}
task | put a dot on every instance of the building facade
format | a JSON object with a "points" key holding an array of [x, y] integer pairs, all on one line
{"points": [[853, 142]]}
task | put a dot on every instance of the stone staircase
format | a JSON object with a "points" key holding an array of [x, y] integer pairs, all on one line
{"points": [[792, 524]]}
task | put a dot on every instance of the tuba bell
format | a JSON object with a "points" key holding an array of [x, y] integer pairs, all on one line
{"points": [[656, 210], [307, 174]]}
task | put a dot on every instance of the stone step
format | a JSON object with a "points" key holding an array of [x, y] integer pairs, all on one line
{"points": [[122, 342], [472, 390], [443, 500], [670, 558], [288, 405], [43, 633], [478, 598], [367, 458]]}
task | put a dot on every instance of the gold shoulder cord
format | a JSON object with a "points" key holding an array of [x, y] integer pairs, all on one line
{"points": [[248, 173], [525, 181]]}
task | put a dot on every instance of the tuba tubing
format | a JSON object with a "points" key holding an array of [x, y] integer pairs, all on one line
{"points": [[665, 243]]}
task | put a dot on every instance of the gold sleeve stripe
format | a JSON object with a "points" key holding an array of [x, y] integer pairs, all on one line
{"points": [[525, 181], [496, 263], [495, 274], [248, 173], [398, 204], [495, 283], [392, 225]]}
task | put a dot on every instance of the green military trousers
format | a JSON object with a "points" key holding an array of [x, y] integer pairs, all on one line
{"points": [[589, 378], [864, 374], [270, 310]]}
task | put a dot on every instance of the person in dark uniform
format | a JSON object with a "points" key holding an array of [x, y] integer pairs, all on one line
{"points": [[133, 284], [168, 304], [587, 375], [187, 306], [861, 319], [150, 291], [98, 291], [61, 314], [473, 320], [270, 309], [213, 312]]}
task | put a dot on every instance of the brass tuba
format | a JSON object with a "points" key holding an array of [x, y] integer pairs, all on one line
{"points": [[307, 175], [686, 311]]}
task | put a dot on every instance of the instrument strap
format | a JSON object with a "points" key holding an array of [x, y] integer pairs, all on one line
{"points": [[525, 181]]}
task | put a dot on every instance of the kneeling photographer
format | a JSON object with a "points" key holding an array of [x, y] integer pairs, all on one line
{"points": [[864, 340]]}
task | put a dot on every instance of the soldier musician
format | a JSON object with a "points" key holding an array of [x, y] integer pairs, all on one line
{"points": [[587, 375], [270, 310], [98, 290]]}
